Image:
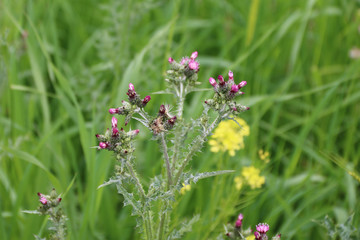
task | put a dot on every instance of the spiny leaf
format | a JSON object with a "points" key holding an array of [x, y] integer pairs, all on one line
{"points": [[198, 176]]}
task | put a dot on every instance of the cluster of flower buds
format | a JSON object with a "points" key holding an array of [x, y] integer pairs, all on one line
{"points": [[134, 103], [185, 70], [225, 92], [117, 140], [163, 122], [48, 201], [238, 232]]}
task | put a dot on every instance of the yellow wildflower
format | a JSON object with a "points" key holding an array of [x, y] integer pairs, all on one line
{"points": [[265, 156], [229, 136], [252, 177], [251, 237], [238, 182], [185, 188]]}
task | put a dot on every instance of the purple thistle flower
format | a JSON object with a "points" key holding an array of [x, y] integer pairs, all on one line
{"points": [[131, 87], [184, 60], [221, 80], [113, 110], [193, 65], [194, 55], [162, 110], [234, 88], [102, 145], [212, 82], [172, 120], [262, 227], [115, 132], [242, 84], [231, 75], [114, 122], [146, 100]]}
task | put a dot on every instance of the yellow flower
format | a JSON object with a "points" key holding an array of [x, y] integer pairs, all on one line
{"points": [[238, 182], [185, 189], [229, 136], [252, 177], [265, 156], [251, 237]]}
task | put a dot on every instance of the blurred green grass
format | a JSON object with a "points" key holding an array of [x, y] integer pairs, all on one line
{"points": [[64, 63]]}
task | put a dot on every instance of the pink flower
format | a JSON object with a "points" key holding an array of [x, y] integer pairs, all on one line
{"points": [[194, 55], [238, 223], [212, 82], [113, 110], [221, 80], [234, 88], [115, 132], [131, 87], [43, 200], [262, 227], [114, 122], [241, 217], [257, 235], [231, 75], [193, 65], [184, 60], [242, 84], [146, 99], [102, 145], [170, 60]]}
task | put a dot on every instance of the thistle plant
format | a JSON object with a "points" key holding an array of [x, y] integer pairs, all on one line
{"points": [[237, 231], [49, 206], [152, 206]]}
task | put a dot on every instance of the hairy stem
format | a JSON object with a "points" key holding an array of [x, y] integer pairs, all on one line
{"points": [[161, 225], [181, 99], [195, 145], [138, 184], [166, 157]]}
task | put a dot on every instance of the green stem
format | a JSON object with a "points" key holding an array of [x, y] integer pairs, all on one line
{"points": [[166, 157], [138, 184], [181, 99], [161, 226]]}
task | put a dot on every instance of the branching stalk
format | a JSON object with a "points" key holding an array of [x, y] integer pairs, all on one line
{"points": [[195, 145], [166, 157]]}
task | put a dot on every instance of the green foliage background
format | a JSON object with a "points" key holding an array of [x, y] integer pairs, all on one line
{"points": [[64, 63]]}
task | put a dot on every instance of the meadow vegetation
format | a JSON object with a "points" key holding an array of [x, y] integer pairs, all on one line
{"points": [[64, 63]]}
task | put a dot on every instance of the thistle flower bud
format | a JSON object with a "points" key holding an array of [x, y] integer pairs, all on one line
{"points": [[184, 60], [172, 120], [146, 100], [194, 55], [231, 75], [212, 82], [59, 200], [162, 110], [114, 122], [113, 110], [234, 88], [221, 80], [131, 87], [194, 65], [102, 145], [238, 223], [262, 227], [242, 84], [43, 200], [170, 60], [257, 235], [115, 132]]}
